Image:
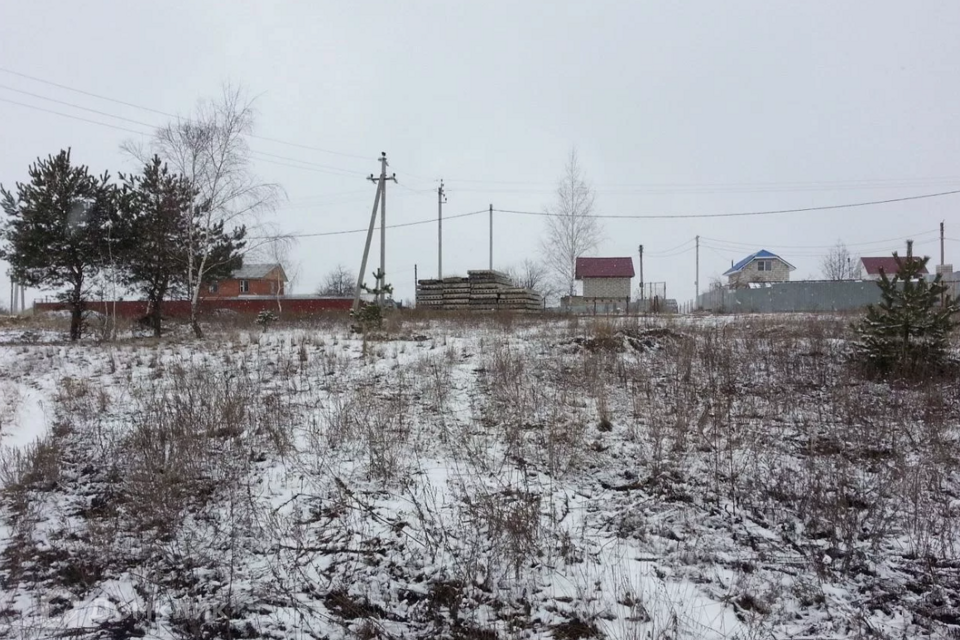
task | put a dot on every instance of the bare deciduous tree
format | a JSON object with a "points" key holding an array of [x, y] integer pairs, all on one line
{"points": [[339, 282], [572, 229], [839, 264], [534, 276], [211, 151]]}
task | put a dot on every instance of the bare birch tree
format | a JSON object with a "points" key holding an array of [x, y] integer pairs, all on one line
{"points": [[572, 230], [210, 150], [278, 250], [839, 264]]}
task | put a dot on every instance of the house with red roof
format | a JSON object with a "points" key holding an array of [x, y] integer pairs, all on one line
{"points": [[605, 278], [870, 268]]}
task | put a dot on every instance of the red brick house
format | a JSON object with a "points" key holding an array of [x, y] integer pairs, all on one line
{"points": [[249, 280]]}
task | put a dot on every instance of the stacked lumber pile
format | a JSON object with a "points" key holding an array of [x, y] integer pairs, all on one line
{"points": [[485, 290]]}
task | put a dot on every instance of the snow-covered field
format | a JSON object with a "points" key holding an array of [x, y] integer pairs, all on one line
{"points": [[710, 478]]}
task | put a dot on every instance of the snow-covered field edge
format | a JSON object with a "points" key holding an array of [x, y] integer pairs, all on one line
{"points": [[569, 479]]}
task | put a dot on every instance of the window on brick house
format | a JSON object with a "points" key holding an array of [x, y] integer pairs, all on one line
{"points": [[273, 287], [214, 287], [244, 286], [764, 265]]}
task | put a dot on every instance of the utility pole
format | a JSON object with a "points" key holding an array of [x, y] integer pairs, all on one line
{"points": [[696, 282], [491, 237], [942, 262], [943, 294], [641, 273], [383, 220], [366, 248], [441, 198], [416, 284]]}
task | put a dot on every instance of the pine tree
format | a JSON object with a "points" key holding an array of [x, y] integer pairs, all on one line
{"points": [[157, 216], [908, 332], [57, 232]]}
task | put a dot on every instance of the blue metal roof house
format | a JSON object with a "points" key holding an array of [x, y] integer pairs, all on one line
{"points": [[762, 266]]}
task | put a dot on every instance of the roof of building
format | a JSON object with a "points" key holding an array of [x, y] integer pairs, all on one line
{"points": [[256, 271], [604, 268], [888, 264], [763, 254]]}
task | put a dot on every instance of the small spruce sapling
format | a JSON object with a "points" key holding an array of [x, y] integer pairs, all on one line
{"points": [[908, 332], [265, 318], [370, 316]]}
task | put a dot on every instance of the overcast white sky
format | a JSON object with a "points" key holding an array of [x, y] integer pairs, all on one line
{"points": [[675, 108]]}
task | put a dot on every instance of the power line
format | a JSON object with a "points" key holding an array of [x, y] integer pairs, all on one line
{"points": [[645, 190], [817, 246], [746, 213], [807, 253], [76, 106], [311, 166], [86, 93], [671, 255], [758, 186], [326, 196], [813, 184], [675, 251], [167, 114], [351, 231], [73, 117], [682, 244]]}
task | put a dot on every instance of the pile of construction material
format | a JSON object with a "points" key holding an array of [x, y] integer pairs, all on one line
{"points": [[480, 291]]}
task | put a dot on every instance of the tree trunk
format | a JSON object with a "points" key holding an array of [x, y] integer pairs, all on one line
{"points": [[155, 318], [76, 320], [156, 308], [76, 312], [194, 320], [195, 297], [195, 310]]}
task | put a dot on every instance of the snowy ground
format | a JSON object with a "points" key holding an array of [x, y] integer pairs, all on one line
{"points": [[711, 478]]}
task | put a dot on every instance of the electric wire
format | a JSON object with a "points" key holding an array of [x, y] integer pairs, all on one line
{"points": [[171, 115], [364, 230], [737, 214]]}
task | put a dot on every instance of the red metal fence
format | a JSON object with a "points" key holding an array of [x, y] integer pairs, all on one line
{"points": [[284, 307]]}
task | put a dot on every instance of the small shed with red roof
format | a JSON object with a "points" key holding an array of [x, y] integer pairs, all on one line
{"points": [[605, 278]]}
